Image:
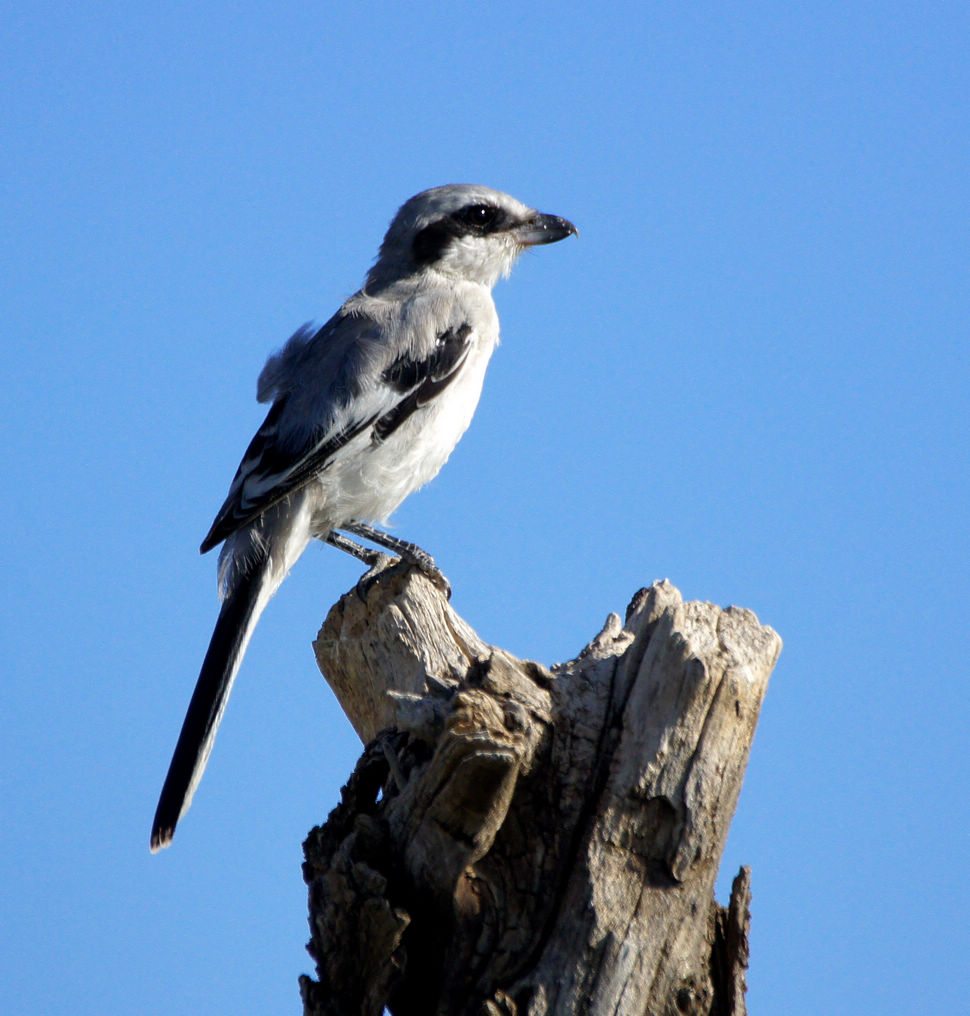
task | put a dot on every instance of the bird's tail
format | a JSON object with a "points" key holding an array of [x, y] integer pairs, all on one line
{"points": [[237, 619]]}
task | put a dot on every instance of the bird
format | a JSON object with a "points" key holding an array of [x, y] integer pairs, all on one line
{"points": [[363, 411]]}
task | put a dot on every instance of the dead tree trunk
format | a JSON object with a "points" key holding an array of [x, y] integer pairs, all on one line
{"points": [[516, 840]]}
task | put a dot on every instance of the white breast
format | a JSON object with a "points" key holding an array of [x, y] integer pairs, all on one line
{"points": [[372, 479]]}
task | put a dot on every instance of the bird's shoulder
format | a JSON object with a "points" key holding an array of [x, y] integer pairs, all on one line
{"points": [[369, 332], [414, 313], [316, 353]]}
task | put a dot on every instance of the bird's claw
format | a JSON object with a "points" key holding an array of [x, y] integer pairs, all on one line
{"points": [[366, 582], [436, 575], [425, 563]]}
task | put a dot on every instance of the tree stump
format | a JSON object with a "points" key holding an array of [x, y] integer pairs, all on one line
{"points": [[518, 840]]}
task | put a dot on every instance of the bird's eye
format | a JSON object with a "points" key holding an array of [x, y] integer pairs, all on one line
{"points": [[478, 216]]}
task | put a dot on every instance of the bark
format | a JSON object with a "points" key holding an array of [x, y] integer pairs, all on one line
{"points": [[518, 840]]}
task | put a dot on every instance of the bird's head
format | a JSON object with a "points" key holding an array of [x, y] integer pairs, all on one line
{"points": [[464, 231]]}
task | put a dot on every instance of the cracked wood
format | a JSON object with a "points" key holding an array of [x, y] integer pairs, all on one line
{"points": [[518, 839]]}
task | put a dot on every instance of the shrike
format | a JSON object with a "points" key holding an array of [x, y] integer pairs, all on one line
{"points": [[363, 411]]}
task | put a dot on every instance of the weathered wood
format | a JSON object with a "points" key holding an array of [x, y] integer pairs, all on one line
{"points": [[522, 840]]}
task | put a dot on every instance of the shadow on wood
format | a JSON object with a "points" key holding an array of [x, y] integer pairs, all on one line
{"points": [[520, 840]]}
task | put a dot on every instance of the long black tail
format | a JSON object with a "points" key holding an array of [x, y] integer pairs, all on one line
{"points": [[237, 619]]}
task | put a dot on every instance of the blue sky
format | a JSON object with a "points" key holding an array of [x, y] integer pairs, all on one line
{"points": [[750, 374]]}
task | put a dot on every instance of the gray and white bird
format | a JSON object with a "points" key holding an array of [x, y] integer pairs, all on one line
{"points": [[364, 411]]}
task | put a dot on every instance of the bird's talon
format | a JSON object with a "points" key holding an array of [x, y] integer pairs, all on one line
{"points": [[436, 575], [363, 586], [424, 562], [367, 581]]}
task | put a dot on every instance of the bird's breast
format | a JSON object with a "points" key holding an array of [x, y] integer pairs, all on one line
{"points": [[370, 484]]}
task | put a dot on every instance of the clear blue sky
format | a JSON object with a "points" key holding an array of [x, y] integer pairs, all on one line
{"points": [[750, 374]]}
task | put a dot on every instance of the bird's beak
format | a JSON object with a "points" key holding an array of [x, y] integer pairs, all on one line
{"points": [[543, 229]]}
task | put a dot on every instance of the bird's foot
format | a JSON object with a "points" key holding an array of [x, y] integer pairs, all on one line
{"points": [[369, 579], [406, 550], [425, 563], [365, 554]]}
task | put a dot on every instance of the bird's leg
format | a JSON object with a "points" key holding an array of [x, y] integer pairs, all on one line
{"points": [[365, 554], [372, 558], [403, 548]]}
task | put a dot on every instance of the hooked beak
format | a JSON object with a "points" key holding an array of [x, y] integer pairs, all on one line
{"points": [[543, 228]]}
